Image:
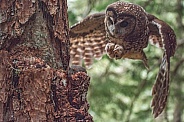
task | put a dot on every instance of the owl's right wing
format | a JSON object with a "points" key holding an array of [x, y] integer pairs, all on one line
{"points": [[88, 40], [162, 36]]}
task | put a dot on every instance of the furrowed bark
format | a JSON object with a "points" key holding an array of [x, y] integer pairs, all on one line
{"points": [[36, 83]]}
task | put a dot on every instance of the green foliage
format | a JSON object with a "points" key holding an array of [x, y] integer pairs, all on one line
{"points": [[120, 90], [102, 4]]}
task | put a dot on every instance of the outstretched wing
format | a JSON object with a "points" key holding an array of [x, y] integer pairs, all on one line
{"points": [[88, 40], [162, 36]]}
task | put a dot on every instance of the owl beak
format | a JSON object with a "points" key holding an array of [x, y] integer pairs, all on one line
{"points": [[114, 31], [117, 33]]}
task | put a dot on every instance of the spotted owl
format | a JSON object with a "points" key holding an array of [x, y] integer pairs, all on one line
{"points": [[123, 31]]}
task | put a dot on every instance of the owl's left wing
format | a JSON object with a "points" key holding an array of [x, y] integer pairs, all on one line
{"points": [[162, 36], [88, 39]]}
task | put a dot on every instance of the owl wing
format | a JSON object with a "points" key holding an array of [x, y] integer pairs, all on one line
{"points": [[88, 40], [162, 36]]}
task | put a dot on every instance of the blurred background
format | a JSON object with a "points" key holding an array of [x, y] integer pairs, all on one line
{"points": [[120, 90]]}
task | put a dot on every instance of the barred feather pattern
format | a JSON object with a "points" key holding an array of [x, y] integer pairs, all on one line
{"points": [[160, 89], [162, 36], [86, 49], [88, 40]]}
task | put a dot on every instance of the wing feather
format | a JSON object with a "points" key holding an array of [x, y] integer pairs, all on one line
{"points": [[162, 36], [88, 40]]}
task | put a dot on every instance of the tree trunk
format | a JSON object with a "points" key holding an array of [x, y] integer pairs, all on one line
{"points": [[36, 83]]}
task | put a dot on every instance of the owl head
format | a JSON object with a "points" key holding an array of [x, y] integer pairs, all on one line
{"points": [[125, 21]]}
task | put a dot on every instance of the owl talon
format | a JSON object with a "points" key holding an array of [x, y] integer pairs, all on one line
{"points": [[114, 51], [109, 49], [118, 51]]}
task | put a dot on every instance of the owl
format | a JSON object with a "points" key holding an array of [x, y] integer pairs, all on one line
{"points": [[123, 31]]}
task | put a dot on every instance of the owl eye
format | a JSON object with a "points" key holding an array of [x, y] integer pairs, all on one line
{"points": [[124, 24]]}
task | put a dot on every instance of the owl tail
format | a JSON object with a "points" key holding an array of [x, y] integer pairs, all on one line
{"points": [[160, 89]]}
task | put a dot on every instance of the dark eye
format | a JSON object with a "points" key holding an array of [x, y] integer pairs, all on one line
{"points": [[124, 24]]}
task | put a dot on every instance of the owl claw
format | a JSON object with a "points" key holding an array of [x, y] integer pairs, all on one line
{"points": [[109, 50], [114, 51], [109, 47], [118, 51]]}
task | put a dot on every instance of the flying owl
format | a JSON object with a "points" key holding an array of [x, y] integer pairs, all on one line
{"points": [[123, 31]]}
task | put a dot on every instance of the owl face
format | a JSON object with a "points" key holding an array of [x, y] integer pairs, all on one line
{"points": [[119, 25], [126, 24]]}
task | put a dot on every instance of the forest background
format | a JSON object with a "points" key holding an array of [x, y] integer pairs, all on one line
{"points": [[121, 89]]}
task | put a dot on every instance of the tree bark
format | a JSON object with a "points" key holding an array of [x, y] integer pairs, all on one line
{"points": [[36, 83]]}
